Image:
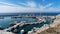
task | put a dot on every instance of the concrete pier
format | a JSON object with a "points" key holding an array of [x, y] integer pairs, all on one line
{"points": [[20, 24], [4, 32]]}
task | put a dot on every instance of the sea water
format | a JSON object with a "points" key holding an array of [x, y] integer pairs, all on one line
{"points": [[5, 23]]}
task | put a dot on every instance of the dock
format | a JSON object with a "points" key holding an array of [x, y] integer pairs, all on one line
{"points": [[20, 24], [23, 17], [4, 32]]}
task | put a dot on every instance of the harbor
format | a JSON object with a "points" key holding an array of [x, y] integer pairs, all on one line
{"points": [[29, 16], [23, 25]]}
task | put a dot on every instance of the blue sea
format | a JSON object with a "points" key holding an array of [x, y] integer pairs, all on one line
{"points": [[5, 23], [8, 20]]}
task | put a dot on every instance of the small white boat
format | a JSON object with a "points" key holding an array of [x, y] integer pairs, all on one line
{"points": [[42, 20], [22, 31]]}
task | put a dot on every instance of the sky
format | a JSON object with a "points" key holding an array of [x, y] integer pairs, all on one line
{"points": [[18, 6]]}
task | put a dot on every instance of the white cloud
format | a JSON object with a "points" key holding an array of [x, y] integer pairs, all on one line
{"points": [[46, 6], [11, 8], [31, 4], [8, 4]]}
